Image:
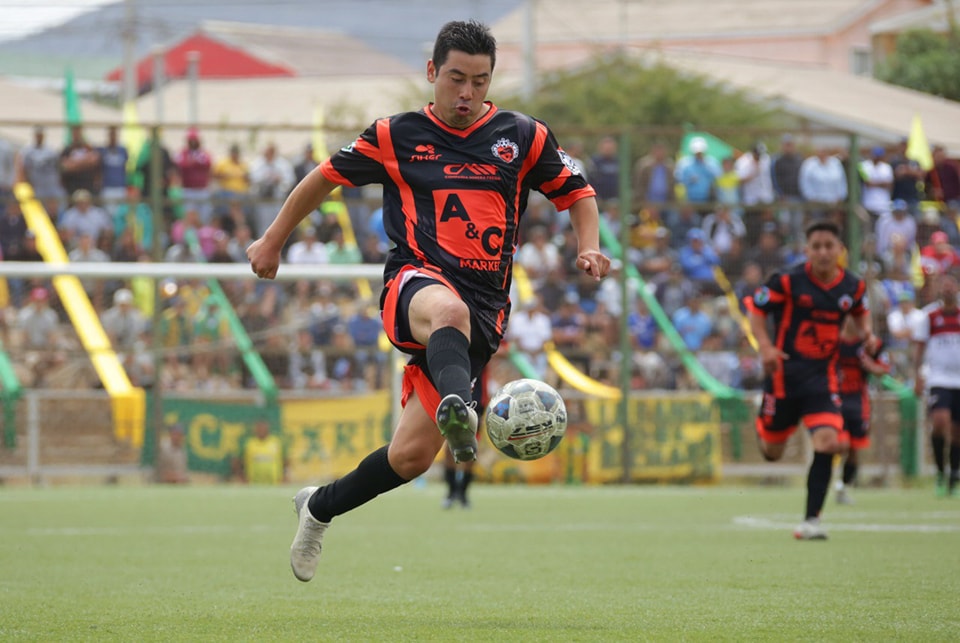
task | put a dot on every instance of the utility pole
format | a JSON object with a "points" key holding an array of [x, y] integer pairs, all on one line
{"points": [[129, 35], [529, 50], [193, 71]]}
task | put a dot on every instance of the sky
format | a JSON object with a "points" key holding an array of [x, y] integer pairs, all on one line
{"points": [[22, 17]]}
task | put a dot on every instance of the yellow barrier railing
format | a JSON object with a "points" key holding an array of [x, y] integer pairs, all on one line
{"points": [[128, 402]]}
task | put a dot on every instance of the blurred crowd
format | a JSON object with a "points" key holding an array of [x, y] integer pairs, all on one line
{"points": [[702, 233]]}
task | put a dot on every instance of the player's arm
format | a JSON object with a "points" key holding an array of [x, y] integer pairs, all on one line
{"points": [[865, 324], [264, 253], [757, 305], [585, 218], [919, 351]]}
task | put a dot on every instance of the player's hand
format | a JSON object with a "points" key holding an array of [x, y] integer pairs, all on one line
{"points": [[264, 259], [594, 263], [871, 344], [772, 357]]}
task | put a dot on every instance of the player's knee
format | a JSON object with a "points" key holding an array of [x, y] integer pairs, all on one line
{"points": [[452, 311], [409, 462], [825, 439]]}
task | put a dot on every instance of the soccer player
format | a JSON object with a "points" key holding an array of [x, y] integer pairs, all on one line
{"points": [[855, 364], [456, 175], [937, 341], [808, 304], [459, 475]]}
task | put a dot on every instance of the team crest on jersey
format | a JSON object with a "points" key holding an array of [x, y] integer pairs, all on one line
{"points": [[762, 296], [505, 150], [835, 399], [348, 148], [845, 303], [569, 163]]}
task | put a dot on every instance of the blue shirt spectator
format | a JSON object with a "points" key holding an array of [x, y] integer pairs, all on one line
{"points": [[698, 173], [693, 324], [697, 258]]}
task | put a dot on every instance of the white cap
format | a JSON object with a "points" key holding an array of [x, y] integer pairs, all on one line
{"points": [[698, 144], [123, 296]]}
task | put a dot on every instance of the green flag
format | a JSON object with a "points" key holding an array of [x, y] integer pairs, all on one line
{"points": [[716, 147], [71, 105]]}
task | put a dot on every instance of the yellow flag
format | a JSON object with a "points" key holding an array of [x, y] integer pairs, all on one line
{"points": [[132, 135], [917, 147]]}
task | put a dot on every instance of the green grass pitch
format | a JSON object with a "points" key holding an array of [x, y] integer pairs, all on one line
{"points": [[552, 563]]}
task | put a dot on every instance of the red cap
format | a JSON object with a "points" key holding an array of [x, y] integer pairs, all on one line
{"points": [[39, 294], [939, 237], [192, 133]]}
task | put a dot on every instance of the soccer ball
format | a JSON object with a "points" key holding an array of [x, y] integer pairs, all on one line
{"points": [[526, 419]]}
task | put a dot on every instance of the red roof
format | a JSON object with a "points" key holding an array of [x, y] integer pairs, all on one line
{"points": [[217, 60]]}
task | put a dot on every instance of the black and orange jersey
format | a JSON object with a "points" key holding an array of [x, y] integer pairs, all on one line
{"points": [[452, 198], [807, 315], [853, 376]]}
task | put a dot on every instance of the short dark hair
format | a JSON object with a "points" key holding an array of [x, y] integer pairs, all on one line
{"points": [[823, 226], [470, 37]]}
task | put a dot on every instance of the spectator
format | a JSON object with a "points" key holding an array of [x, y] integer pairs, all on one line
{"points": [[604, 169], [341, 252], [938, 256], [262, 458], [113, 172], [823, 180], [169, 176], [682, 221], [657, 259], [698, 259], [308, 365], [221, 248], [233, 178], [8, 173], [39, 165], [673, 290], [609, 291], [653, 178], [569, 324], [722, 227], [897, 259], [122, 322], [877, 177], [785, 176], [305, 165], [80, 164], [237, 244], [84, 218], [727, 187], [896, 220], [134, 214], [529, 331], [698, 173], [756, 182], [907, 177], [537, 256], [308, 250], [204, 232], [86, 252], [768, 253], [721, 362], [211, 339], [692, 322], [271, 179], [642, 327], [943, 180], [365, 327], [194, 165], [13, 228], [172, 458], [902, 322], [41, 339]]}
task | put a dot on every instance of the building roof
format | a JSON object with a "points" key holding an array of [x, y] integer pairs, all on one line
{"points": [[933, 17], [611, 21], [877, 111], [284, 108]]}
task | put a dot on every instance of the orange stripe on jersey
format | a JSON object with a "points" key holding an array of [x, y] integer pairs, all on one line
{"points": [[367, 149], [861, 310], [330, 174], [817, 420], [832, 382], [779, 389], [392, 165], [564, 202]]}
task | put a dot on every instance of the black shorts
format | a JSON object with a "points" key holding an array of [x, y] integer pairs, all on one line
{"points": [[778, 417], [945, 398], [856, 421]]}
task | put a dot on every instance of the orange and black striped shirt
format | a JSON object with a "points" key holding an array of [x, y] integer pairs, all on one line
{"points": [[452, 198]]}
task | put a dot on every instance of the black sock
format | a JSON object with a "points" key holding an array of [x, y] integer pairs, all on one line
{"points": [[818, 481], [849, 472], [954, 461], [373, 476], [450, 477], [466, 478], [939, 443], [448, 359]]}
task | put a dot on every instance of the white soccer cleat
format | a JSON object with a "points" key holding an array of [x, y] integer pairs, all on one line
{"points": [[810, 529], [305, 550], [457, 422], [844, 497]]}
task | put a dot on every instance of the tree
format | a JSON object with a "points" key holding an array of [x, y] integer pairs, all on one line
{"points": [[925, 61], [613, 92]]}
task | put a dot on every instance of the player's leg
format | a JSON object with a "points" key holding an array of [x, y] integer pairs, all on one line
{"points": [[440, 320], [776, 422], [939, 412], [953, 486], [824, 430], [410, 453]]}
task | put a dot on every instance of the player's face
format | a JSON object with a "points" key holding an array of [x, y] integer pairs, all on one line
{"points": [[823, 252], [948, 288], [460, 86]]}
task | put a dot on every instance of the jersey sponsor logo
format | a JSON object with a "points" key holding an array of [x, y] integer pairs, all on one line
{"points": [[471, 171], [762, 296], [470, 226], [568, 162], [505, 150], [425, 153], [845, 302], [769, 406]]}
